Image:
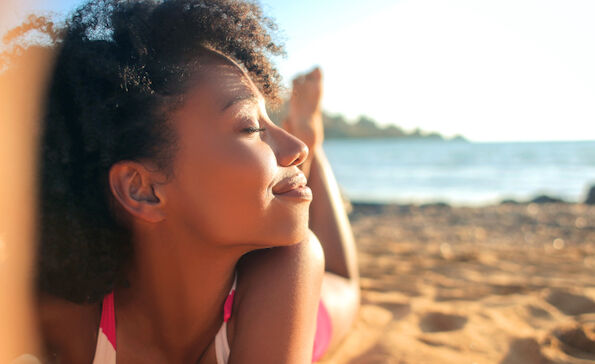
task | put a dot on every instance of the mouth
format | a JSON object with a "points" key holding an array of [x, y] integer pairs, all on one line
{"points": [[294, 187]]}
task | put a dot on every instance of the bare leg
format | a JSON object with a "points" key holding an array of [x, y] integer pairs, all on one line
{"points": [[328, 219], [304, 119]]}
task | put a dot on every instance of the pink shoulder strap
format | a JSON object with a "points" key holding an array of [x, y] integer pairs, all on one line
{"points": [[227, 307], [108, 319]]}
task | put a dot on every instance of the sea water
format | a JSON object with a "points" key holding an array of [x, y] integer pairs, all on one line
{"points": [[461, 173]]}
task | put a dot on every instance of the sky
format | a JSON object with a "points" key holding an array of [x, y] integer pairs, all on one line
{"points": [[504, 70]]}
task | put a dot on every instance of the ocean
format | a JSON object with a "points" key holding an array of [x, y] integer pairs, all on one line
{"points": [[461, 173]]}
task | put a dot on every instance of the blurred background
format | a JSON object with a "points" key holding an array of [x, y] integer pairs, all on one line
{"points": [[463, 133], [462, 101], [510, 85]]}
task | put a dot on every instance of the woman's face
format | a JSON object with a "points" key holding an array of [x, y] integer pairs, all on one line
{"points": [[235, 173]]}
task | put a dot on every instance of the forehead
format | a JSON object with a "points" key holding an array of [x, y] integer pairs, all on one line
{"points": [[216, 87], [227, 83]]}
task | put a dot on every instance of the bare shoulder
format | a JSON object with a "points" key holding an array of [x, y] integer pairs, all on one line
{"points": [[276, 303], [286, 262], [68, 330]]}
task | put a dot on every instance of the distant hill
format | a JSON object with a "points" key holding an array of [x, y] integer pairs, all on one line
{"points": [[337, 127]]}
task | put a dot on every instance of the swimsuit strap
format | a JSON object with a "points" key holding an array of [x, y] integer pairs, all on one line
{"points": [[222, 350], [105, 351]]}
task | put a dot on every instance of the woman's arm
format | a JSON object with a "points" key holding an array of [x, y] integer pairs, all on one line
{"points": [[274, 314]]}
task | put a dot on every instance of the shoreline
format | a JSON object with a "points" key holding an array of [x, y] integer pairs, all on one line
{"points": [[539, 200]]}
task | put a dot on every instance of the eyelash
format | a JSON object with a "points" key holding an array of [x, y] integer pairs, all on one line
{"points": [[254, 130]]}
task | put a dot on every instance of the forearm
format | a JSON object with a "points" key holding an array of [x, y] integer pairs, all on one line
{"points": [[329, 221]]}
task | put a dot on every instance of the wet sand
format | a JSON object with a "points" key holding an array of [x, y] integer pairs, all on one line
{"points": [[500, 284]]}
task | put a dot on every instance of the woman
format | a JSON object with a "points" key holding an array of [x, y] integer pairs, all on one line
{"points": [[163, 178]]}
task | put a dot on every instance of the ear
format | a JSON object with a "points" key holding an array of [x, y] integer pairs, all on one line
{"points": [[137, 190]]}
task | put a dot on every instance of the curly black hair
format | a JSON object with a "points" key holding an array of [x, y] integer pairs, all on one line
{"points": [[121, 67]]}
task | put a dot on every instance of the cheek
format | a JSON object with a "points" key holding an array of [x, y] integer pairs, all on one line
{"points": [[224, 188], [242, 176]]}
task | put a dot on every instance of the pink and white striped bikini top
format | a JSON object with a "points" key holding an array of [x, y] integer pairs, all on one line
{"points": [[105, 352]]}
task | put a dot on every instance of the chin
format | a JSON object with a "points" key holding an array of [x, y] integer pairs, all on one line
{"points": [[299, 230], [283, 227], [299, 235], [291, 232]]}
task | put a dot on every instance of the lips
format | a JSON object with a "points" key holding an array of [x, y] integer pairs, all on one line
{"points": [[293, 186]]}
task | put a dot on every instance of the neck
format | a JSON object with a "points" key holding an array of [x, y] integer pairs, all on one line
{"points": [[174, 302]]}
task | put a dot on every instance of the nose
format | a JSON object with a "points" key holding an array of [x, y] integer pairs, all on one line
{"points": [[290, 151]]}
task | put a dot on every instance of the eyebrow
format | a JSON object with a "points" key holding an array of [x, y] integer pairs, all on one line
{"points": [[240, 98]]}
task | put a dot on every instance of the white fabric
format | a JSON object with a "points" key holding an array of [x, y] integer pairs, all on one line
{"points": [[104, 352], [222, 350]]}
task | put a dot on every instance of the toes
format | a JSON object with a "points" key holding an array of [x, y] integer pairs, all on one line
{"points": [[314, 75]]}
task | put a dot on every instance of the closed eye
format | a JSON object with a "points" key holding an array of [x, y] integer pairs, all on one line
{"points": [[251, 130]]}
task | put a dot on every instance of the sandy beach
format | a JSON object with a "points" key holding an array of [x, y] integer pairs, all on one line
{"points": [[508, 284]]}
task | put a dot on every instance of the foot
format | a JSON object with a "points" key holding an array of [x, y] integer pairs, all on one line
{"points": [[304, 119]]}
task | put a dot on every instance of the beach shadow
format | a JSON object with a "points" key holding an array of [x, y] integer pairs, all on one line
{"points": [[440, 322], [399, 310], [570, 304], [376, 355], [538, 312], [575, 342], [436, 343], [507, 289], [525, 351]]}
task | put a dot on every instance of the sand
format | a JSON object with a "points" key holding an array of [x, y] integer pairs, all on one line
{"points": [[508, 284]]}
